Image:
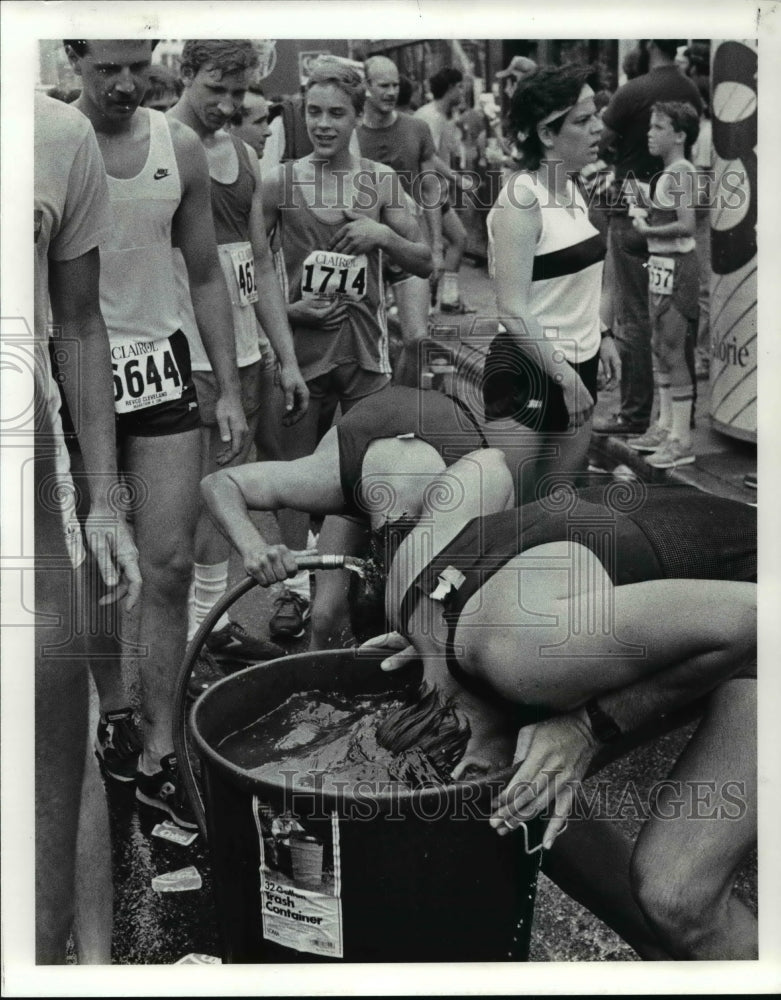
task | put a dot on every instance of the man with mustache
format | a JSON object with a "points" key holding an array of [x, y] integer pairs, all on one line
{"points": [[158, 184]]}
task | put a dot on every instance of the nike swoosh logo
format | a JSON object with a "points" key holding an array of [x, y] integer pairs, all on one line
{"points": [[160, 173]]}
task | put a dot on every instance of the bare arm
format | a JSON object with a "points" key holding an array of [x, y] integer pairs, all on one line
{"points": [[682, 188], [88, 386], [193, 233], [397, 234], [516, 228], [271, 310], [309, 484], [558, 753]]}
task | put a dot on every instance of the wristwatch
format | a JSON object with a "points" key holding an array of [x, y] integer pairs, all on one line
{"points": [[602, 726]]}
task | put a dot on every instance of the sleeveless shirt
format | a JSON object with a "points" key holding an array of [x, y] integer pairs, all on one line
{"points": [[137, 286], [313, 270], [568, 260]]}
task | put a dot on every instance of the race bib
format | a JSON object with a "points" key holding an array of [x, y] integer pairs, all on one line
{"points": [[661, 271], [145, 374], [243, 259], [332, 275]]}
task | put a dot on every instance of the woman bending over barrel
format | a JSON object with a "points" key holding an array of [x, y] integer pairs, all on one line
{"points": [[586, 619]]}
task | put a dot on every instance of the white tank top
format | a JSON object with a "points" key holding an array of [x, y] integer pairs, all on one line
{"points": [[137, 286], [568, 262]]}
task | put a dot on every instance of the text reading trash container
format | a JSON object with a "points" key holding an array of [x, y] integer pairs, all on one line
{"points": [[363, 874]]}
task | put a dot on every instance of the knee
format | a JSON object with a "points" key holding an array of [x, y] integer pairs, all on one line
{"points": [[330, 623], [681, 908], [167, 572]]}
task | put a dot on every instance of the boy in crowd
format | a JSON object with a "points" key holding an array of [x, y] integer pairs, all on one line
{"points": [[673, 283]]}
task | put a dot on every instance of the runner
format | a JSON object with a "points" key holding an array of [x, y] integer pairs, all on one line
{"points": [[292, 604], [588, 620], [405, 144], [159, 189], [216, 75], [339, 217], [408, 431], [673, 283], [545, 256], [447, 89], [72, 217]]}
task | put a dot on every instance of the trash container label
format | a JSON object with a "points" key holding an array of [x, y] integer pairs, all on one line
{"points": [[300, 884]]}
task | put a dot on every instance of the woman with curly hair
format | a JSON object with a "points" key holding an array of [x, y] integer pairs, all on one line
{"points": [[546, 259]]}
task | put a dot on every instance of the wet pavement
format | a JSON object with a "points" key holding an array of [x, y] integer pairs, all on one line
{"points": [[155, 928]]}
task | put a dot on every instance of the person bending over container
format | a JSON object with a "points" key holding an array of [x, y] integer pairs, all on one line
{"points": [[673, 283], [546, 258], [411, 432], [578, 619]]}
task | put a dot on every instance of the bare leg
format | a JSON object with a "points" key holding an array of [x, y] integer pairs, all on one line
{"points": [[523, 450], [298, 441], [412, 298], [211, 547], [590, 862], [94, 887], [60, 722], [331, 624], [165, 528], [563, 457], [683, 869], [268, 445]]}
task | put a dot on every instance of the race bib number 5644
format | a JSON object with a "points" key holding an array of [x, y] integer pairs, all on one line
{"points": [[145, 374], [328, 275]]}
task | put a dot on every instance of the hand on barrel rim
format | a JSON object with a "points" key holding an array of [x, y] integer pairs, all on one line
{"points": [[402, 651]]}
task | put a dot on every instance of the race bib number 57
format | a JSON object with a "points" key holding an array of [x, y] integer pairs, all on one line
{"points": [[328, 275], [661, 271], [145, 374]]}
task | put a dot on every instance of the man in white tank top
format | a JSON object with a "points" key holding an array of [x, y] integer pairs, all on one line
{"points": [[159, 190]]}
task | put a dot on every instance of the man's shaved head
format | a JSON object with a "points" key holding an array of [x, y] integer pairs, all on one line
{"points": [[378, 63]]}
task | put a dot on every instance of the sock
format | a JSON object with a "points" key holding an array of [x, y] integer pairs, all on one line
{"points": [[299, 584], [209, 585], [448, 289], [192, 628], [682, 412], [665, 406]]}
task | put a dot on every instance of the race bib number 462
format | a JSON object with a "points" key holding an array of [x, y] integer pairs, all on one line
{"points": [[661, 271], [145, 374], [243, 260], [328, 275]]}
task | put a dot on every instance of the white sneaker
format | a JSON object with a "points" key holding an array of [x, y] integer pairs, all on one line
{"points": [[653, 439], [671, 454]]}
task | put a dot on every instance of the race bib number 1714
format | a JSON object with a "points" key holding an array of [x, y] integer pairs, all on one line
{"points": [[328, 275]]}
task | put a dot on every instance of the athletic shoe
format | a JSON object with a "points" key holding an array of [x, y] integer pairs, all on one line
{"points": [[232, 642], [618, 425], [205, 673], [653, 439], [290, 616], [163, 791], [118, 744], [671, 454]]}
